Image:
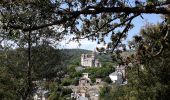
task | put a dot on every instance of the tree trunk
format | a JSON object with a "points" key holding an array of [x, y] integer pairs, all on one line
{"points": [[28, 87]]}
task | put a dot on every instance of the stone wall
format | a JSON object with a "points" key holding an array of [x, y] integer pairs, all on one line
{"points": [[88, 60]]}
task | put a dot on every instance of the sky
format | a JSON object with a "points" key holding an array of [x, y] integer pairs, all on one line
{"points": [[89, 45], [138, 24]]}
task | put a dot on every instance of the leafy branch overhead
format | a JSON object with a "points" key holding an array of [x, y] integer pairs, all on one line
{"points": [[92, 19]]}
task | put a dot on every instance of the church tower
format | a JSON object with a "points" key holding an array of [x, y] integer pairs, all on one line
{"points": [[82, 59], [93, 55]]}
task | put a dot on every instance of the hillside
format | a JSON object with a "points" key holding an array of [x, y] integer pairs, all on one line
{"points": [[73, 56], [74, 53]]}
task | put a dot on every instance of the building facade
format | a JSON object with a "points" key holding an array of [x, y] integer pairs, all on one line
{"points": [[89, 60], [119, 76]]}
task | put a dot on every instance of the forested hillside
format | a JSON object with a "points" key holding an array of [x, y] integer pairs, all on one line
{"points": [[73, 56], [46, 64]]}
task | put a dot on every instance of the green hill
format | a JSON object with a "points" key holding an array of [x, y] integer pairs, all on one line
{"points": [[73, 56]]}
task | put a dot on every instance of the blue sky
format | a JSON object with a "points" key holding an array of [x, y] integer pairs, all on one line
{"points": [[138, 24]]}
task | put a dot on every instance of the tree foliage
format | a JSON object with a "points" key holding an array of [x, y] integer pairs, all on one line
{"points": [[85, 19], [14, 69], [152, 80], [27, 23], [148, 69]]}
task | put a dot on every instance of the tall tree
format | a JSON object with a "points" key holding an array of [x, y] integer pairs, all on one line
{"points": [[149, 72], [148, 68]]}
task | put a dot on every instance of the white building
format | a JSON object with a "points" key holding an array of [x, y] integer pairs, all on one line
{"points": [[119, 76], [88, 60]]}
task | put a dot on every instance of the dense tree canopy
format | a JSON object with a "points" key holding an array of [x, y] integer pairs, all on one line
{"points": [[148, 68], [91, 19], [47, 64], [150, 78]]}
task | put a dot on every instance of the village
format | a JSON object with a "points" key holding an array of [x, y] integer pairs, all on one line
{"points": [[86, 90]]}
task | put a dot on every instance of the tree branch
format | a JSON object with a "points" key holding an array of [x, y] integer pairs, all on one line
{"points": [[123, 32], [131, 18], [96, 10], [162, 45]]}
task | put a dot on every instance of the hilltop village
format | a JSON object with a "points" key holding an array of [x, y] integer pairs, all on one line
{"points": [[88, 82]]}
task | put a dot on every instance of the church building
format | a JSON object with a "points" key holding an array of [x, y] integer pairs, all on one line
{"points": [[90, 60]]}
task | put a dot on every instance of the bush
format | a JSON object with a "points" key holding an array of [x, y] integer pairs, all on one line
{"points": [[75, 82], [66, 91], [108, 80], [53, 96], [66, 82]]}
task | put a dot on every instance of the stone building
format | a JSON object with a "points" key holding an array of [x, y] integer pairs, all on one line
{"points": [[80, 92], [89, 60], [98, 80], [119, 76], [85, 90], [85, 80]]}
